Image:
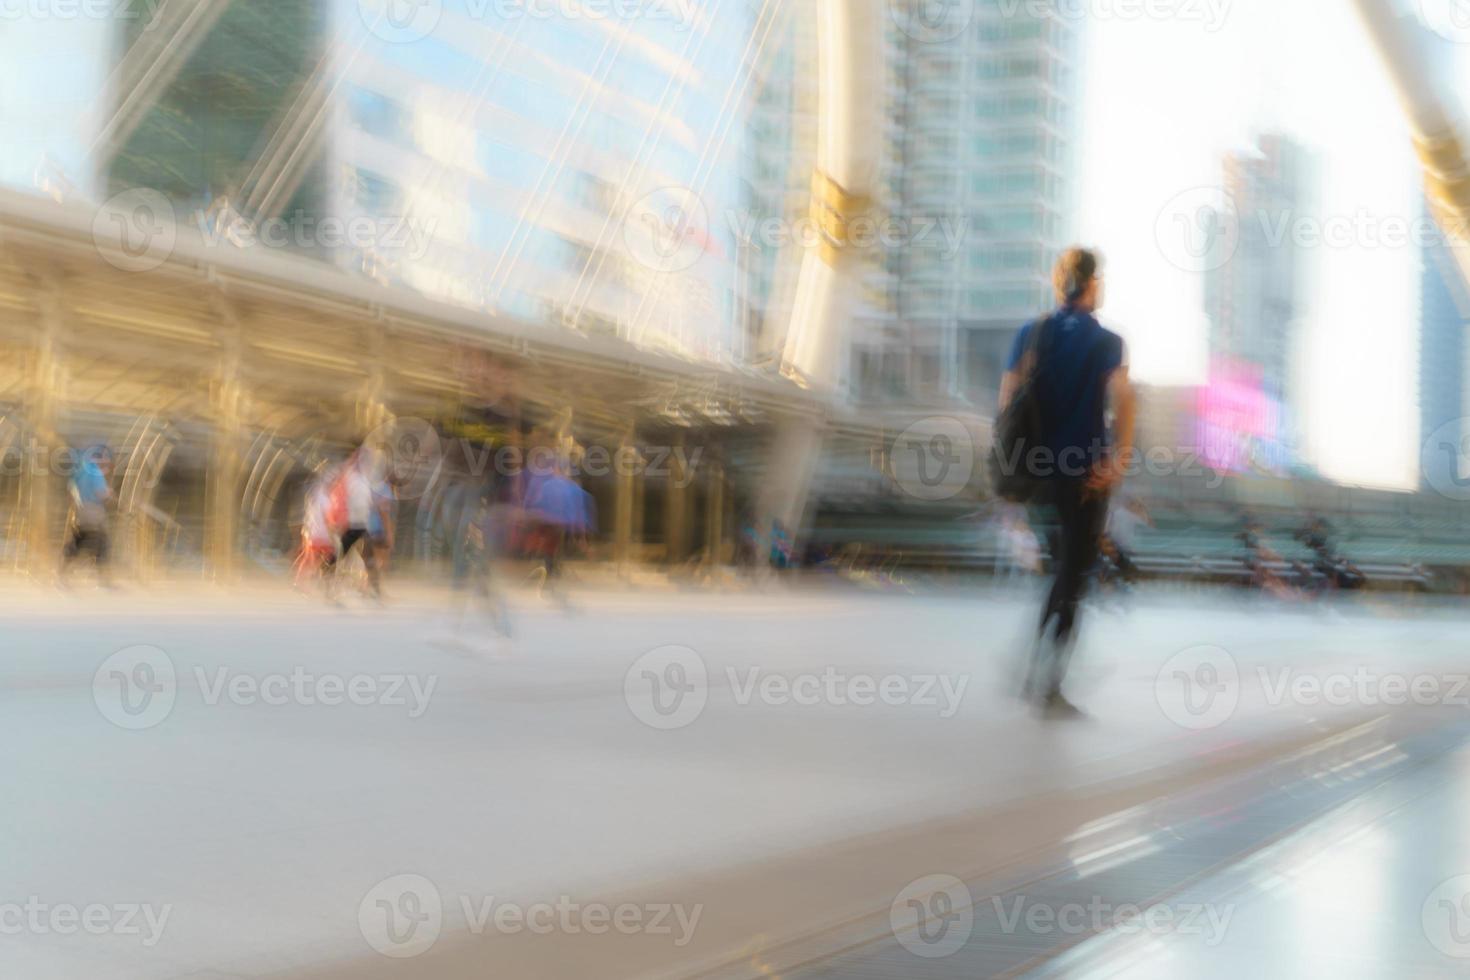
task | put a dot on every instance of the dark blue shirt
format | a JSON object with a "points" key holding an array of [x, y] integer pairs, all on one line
{"points": [[1078, 355]]}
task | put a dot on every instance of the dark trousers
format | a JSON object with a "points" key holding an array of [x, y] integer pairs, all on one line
{"points": [[1074, 520], [360, 538], [87, 539]]}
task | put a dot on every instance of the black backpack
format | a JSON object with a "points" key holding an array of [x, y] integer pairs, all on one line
{"points": [[1019, 429]]}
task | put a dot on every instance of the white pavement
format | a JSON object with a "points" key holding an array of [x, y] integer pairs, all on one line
{"points": [[528, 770]]}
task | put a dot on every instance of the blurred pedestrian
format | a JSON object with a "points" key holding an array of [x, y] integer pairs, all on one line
{"points": [[560, 511], [91, 495], [353, 495], [485, 528], [319, 537], [1071, 368]]}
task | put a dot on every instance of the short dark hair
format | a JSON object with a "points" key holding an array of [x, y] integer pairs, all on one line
{"points": [[1075, 269]]}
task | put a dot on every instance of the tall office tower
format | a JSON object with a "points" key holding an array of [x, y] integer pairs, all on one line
{"points": [[572, 165], [972, 199], [982, 174], [1253, 299], [780, 152], [201, 96], [1444, 357]]}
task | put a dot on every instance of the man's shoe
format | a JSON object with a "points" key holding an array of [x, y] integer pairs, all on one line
{"points": [[1054, 707]]}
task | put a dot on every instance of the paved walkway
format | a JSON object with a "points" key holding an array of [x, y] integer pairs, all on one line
{"points": [[260, 806]]}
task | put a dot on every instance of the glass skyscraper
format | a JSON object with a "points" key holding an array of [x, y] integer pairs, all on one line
{"points": [[983, 138], [574, 165]]}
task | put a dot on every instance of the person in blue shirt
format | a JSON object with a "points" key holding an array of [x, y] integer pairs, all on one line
{"points": [[1079, 368], [90, 495]]}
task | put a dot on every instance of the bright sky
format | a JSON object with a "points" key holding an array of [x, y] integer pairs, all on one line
{"points": [[1165, 100]]}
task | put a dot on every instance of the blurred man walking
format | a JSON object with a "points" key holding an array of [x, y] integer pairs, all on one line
{"points": [[1077, 369]]}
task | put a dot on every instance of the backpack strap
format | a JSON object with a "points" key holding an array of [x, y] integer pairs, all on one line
{"points": [[1034, 344]]}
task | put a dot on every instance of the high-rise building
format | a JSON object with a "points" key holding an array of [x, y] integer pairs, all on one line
{"points": [[982, 142], [780, 151], [1444, 355], [973, 195], [572, 165], [1253, 299]]}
